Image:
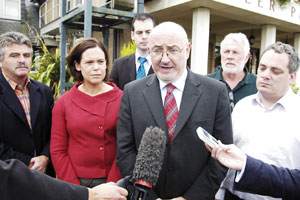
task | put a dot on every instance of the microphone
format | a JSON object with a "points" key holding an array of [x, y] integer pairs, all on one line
{"points": [[147, 166]]}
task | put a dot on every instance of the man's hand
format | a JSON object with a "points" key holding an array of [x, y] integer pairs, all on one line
{"points": [[228, 155], [107, 191], [39, 163]]}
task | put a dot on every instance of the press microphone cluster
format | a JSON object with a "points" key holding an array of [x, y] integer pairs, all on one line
{"points": [[147, 166]]}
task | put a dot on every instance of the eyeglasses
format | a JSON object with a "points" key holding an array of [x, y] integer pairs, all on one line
{"points": [[231, 99], [158, 52]]}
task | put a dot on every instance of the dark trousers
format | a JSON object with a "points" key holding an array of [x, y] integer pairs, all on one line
{"points": [[91, 182], [230, 196]]}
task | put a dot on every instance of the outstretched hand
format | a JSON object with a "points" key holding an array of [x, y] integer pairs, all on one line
{"points": [[228, 155]]}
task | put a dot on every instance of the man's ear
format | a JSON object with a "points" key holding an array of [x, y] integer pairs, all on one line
{"points": [[188, 50], [293, 77], [247, 58], [132, 34]]}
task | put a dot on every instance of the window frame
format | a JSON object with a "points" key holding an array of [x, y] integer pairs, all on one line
{"points": [[9, 17]]}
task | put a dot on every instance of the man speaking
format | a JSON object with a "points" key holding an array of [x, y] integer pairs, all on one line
{"points": [[178, 101]]}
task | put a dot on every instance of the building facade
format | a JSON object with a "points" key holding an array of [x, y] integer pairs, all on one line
{"points": [[206, 22]]}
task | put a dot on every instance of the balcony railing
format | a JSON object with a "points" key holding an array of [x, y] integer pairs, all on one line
{"points": [[50, 10]]}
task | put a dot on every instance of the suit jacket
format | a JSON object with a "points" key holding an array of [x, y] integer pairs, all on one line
{"points": [[17, 140], [19, 182], [188, 169], [124, 70], [266, 179]]}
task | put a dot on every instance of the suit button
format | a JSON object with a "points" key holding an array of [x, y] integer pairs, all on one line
{"points": [[100, 126], [101, 148], [170, 170]]}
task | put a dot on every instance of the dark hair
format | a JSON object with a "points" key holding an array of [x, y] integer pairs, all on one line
{"points": [[280, 47], [76, 54], [12, 37], [142, 17]]}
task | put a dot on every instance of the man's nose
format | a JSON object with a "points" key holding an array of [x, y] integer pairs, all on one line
{"points": [[165, 57], [145, 35], [266, 73], [22, 59]]}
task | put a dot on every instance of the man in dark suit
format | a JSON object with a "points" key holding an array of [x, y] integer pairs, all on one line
{"points": [[257, 177], [188, 172], [19, 182], [25, 104], [138, 64]]}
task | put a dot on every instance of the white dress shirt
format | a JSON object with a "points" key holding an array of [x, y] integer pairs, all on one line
{"points": [[177, 92], [147, 64], [269, 134]]}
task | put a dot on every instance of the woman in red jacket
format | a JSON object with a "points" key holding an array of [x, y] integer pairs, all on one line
{"points": [[84, 119]]}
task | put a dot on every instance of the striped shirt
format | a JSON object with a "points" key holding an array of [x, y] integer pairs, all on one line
{"points": [[22, 93]]}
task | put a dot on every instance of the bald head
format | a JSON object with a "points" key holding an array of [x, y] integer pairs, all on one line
{"points": [[169, 29], [169, 49]]}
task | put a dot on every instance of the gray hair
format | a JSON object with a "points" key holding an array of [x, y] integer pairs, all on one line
{"points": [[240, 38], [280, 47], [10, 38]]}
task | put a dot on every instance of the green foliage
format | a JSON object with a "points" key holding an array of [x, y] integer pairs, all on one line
{"points": [[285, 2], [128, 49], [46, 69], [295, 88]]}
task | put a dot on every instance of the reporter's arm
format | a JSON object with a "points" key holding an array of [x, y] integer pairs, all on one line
{"points": [[19, 182], [265, 179]]}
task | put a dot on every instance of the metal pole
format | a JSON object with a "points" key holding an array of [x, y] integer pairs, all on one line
{"points": [[88, 19], [62, 48], [140, 6]]}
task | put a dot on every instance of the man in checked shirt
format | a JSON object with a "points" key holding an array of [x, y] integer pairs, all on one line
{"points": [[25, 106]]}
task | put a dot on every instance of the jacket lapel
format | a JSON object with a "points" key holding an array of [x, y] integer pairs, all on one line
{"points": [[152, 97], [190, 98], [131, 67], [35, 102], [11, 100], [150, 71]]}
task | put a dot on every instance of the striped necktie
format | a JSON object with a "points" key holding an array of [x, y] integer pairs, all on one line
{"points": [[141, 70], [171, 111]]}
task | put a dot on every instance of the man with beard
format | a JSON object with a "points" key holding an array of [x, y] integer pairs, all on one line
{"points": [[234, 55], [25, 104]]}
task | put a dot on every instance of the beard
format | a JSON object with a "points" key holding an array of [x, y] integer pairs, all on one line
{"points": [[232, 70]]}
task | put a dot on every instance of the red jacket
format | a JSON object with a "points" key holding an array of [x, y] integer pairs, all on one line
{"points": [[83, 135]]}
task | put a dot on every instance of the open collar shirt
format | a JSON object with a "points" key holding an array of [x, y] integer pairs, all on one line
{"points": [[246, 87], [269, 134], [22, 92]]}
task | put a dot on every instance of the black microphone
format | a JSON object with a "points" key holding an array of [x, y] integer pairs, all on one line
{"points": [[147, 166]]}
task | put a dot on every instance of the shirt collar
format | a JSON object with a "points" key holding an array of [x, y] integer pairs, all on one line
{"points": [[137, 55], [284, 102], [179, 83], [14, 85]]}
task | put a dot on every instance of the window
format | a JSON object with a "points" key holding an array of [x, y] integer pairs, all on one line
{"points": [[11, 9]]}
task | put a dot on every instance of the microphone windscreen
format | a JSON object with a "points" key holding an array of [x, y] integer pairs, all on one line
{"points": [[150, 155]]}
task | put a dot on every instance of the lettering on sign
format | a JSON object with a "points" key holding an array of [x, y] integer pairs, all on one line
{"points": [[271, 6]]}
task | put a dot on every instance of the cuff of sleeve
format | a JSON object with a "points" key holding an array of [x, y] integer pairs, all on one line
{"points": [[239, 174]]}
